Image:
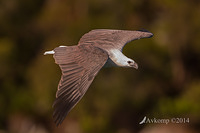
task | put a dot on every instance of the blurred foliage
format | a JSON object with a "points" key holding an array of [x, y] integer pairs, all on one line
{"points": [[166, 85]]}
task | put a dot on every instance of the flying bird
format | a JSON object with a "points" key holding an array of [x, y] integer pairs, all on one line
{"points": [[81, 63]]}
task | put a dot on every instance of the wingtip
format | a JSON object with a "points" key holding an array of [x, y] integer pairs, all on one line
{"points": [[149, 33], [57, 120], [144, 30]]}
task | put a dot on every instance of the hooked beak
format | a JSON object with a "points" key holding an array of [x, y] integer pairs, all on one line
{"points": [[134, 65]]}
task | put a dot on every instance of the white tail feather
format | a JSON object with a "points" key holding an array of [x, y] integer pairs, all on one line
{"points": [[49, 52]]}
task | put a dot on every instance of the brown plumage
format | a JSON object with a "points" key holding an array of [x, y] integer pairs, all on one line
{"points": [[80, 64], [78, 72]]}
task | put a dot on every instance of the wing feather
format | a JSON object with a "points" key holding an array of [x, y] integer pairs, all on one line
{"points": [[109, 39], [79, 66]]}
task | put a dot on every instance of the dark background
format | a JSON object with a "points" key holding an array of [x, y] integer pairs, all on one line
{"points": [[166, 85]]}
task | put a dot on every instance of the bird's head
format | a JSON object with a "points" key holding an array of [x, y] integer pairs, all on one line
{"points": [[132, 63]]}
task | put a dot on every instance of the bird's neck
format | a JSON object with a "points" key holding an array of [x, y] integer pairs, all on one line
{"points": [[117, 58]]}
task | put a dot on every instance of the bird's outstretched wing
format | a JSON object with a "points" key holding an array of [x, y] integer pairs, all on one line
{"points": [[109, 39], [79, 65]]}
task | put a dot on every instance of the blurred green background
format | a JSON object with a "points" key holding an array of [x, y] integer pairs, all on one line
{"points": [[166, 85]]}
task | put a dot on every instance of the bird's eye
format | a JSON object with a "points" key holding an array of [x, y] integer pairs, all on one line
{"points": [[129, 62]]}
